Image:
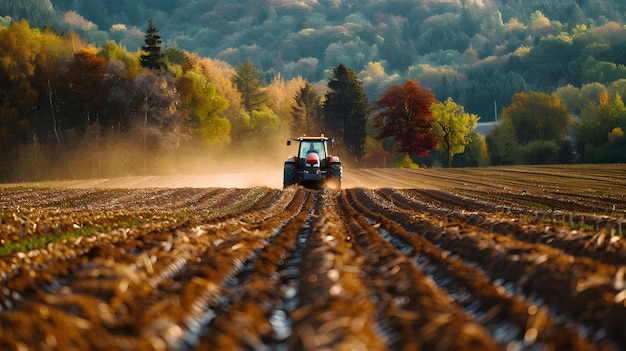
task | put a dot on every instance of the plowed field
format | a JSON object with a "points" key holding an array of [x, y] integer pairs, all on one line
{"points": [[462, 259]]}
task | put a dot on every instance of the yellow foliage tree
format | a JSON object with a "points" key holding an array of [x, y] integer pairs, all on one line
{"points": [[615, 134], [453, 126]]}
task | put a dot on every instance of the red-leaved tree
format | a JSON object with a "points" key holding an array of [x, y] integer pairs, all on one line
{"points": [[404, 114]]}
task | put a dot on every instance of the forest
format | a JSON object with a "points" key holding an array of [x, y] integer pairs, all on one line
{"points": [[77, 98]]}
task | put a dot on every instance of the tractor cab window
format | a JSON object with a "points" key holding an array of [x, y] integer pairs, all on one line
{"points": [[317, 147]]}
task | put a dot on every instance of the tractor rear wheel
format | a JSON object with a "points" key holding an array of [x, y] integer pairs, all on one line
{"points": [[335, 175], [289, 174]]}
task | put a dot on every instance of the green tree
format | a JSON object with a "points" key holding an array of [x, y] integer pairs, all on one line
{"points": [[596, 123], [346, 111], [549, 62], [502, 144], [152, 56], [248, 82], [570, 97], [537, 116], [453, 126], [307, 112], [203, 106], [405, 115], [476, 153], [112, 51], [539, 152], [602, 72]]}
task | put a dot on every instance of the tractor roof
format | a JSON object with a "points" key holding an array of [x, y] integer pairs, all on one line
{"points": [[311, 138]]}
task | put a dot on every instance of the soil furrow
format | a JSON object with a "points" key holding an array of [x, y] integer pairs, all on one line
{"points": [[510, 318], [605, 244], [569, 285], [502, 258]]}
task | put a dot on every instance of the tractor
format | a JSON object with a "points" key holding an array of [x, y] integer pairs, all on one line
{"points": [[313, 166]]}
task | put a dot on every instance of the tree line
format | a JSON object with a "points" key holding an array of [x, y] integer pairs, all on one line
{"points": [[70, 109], [473, 51]]}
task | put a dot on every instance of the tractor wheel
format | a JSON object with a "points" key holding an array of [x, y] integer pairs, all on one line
{"points": [[289, 174], [335, 175]]}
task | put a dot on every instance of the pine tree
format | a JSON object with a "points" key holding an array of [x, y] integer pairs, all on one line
{"points": [[346, 110], [153, 56], [307, 112], [250, 86]]}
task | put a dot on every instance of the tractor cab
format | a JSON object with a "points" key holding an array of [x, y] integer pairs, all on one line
{"points": [[312, 150]]}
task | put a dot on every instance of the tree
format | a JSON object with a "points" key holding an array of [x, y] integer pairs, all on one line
{"points": [[203, 106], [476, 153], [112, 51], [602, 72], [307, 112], [249, 84], [119, 107], [502, 144], [19, 47], [597, 121], [404, 114], [453, 126], [49, 80], [346, 109], [537, 116], [87, 89], [152, 56], [158, 119]]}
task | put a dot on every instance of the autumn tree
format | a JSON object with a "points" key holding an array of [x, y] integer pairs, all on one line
{"points": [[404, 114], [248, 82], [152, 56], [345, 111], [86, 88], [537, 116], [19, 46], [453, 126], [307, 112], [50, 80]]}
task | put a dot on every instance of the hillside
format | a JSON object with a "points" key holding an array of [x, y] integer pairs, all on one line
{"points": [[387, 41]]}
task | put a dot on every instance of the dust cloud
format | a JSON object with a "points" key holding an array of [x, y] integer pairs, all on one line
{"points": [[128, 163]]}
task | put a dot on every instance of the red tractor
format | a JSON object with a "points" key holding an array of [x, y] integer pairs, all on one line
{"points": [[313, 166]]}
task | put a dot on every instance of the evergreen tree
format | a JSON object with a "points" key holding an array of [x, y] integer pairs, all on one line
{"points": [[307, 112], [250, 86], [153, 56], [346, 110]]}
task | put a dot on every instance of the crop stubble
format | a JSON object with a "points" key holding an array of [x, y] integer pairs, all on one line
{"points": [[491, 266]]}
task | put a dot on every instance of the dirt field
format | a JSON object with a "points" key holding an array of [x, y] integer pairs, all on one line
{"points": [[525, 258]]}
